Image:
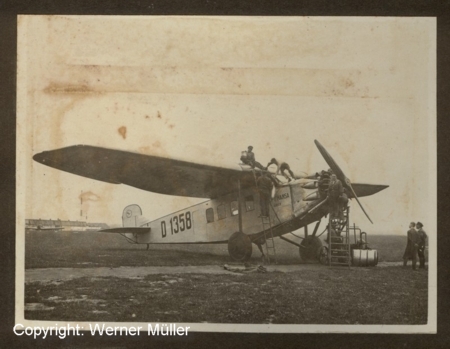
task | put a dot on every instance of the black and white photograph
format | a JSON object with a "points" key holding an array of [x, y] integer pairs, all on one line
{"points": [[227, 174]]}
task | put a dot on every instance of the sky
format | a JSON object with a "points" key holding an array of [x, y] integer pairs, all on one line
{"points": [[202, 89]]}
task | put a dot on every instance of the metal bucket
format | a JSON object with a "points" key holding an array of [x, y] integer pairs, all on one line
{"points": [[364, 258]]}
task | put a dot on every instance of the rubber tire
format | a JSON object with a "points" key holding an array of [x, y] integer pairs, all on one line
{"points": [[312, 251], [239, 247]]}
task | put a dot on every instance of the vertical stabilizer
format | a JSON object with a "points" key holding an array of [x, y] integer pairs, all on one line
{"points": [[131, 215]]}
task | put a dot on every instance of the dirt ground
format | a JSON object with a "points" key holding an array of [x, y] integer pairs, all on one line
{"points": [[82, 277], [44, 275], [311, 294]]}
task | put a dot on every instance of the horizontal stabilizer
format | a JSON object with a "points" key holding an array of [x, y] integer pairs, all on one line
{"points": [[126, 230], [366, 189]]}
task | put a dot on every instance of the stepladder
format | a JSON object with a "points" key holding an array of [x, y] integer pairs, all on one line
{"points": [[339, 250]]}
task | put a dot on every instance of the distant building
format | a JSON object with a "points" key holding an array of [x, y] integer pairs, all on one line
{"points": [[50, 224]]}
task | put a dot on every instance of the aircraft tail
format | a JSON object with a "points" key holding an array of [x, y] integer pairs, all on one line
{"points": [[131, 216], [135, 227]]}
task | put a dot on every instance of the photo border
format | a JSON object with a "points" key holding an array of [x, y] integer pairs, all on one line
{"points": [[432, 8]]}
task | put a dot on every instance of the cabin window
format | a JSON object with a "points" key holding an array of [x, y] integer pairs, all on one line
{"points": [[234, 208], [249, 203], [209, 215], [221, 211]]}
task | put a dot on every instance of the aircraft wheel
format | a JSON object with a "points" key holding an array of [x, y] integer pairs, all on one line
{"points": [[239, 246], [323, 255], [310, 250]]}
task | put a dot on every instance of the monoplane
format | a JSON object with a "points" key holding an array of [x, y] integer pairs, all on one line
{"points": [[231, 213]]}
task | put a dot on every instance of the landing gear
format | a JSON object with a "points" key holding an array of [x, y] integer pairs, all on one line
{"points": [[239, 247], [310, 249], [148, 246]]}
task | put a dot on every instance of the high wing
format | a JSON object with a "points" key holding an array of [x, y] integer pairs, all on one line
{"points": [[147, 172], [362, 190]]}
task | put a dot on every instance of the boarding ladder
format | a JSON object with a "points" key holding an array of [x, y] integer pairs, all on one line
{"points": [[339, 245], [271, 251]]}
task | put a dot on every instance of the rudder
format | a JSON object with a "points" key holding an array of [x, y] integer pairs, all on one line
{"points": [[130, 215]]}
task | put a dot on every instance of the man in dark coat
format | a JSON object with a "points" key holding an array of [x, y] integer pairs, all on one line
{"points": [[324, 182], [422, 243], [265, 187], [335, 190], [411, 246]]}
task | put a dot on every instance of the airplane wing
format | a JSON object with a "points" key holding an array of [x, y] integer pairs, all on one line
{"points": [[147, 172], [362, 190]]}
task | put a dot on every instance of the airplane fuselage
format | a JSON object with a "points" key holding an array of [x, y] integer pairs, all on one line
{"points": [[214, 221]]}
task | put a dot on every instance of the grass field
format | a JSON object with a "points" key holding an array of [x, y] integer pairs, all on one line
{"points": [[320, 295], [44, 249]]}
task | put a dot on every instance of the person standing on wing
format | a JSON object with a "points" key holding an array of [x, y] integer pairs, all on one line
{"points": [[248, 158], [281, 168]]}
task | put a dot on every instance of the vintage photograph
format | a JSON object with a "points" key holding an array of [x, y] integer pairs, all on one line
{"points": [[234, 174]]}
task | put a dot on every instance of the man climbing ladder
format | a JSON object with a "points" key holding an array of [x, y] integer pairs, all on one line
{"points": [[265, 185]]}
